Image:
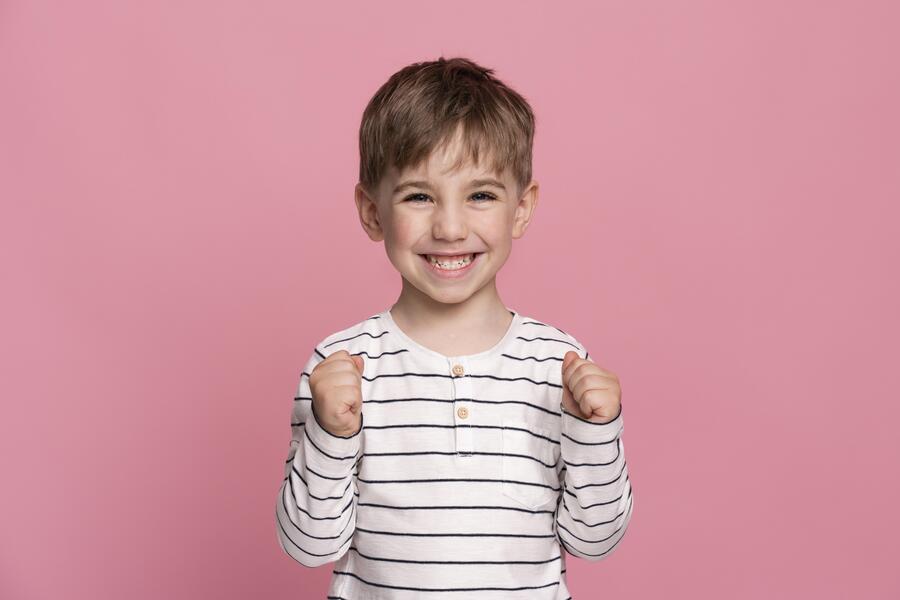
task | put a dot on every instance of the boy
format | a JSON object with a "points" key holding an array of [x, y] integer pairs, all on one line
{"points": [[450, 446]]}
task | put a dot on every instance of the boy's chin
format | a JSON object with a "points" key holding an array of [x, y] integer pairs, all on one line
{"points": [[452, 293]]}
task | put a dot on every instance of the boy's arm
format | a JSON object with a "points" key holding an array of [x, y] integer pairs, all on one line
{"points": [[596, 502], [316, 509]]}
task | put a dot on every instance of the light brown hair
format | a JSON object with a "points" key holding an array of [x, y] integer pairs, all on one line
{"points": [[420, 107]]}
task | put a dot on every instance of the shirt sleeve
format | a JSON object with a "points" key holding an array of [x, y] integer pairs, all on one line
{"points": [[596, 503], [316, 509]]}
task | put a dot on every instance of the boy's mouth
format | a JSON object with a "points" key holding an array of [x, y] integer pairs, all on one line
{"points": [[450, 263]]}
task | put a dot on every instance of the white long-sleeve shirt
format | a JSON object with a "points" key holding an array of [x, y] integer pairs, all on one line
{"points": [[466, 477]]}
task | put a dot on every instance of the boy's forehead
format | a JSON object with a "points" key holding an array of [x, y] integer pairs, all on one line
{"points": [[450, 160], [446, 165], [433, 172]]}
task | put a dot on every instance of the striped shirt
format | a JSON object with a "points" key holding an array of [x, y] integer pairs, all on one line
{"points": [[466, 479]]}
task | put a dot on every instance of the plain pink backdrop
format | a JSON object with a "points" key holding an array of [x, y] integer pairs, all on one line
{"points": [[717, 224]]}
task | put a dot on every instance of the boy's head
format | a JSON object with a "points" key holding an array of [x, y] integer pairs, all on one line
{"points": [[430, 139]]}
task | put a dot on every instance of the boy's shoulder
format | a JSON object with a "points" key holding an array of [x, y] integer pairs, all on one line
{"points": [[352, 337], [534, 329]]}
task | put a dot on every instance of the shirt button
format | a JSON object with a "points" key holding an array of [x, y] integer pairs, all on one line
{"points": [[463, 412], [458, 370]]}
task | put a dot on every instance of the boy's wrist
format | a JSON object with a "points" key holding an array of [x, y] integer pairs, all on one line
{"points": [[583, 428], [334, 453]]}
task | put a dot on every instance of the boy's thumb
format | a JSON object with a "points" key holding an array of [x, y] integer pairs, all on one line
{"points": [[570, 356], [358, 360]]}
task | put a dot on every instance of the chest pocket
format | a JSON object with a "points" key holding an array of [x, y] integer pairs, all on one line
{"points": [[528, 464]]}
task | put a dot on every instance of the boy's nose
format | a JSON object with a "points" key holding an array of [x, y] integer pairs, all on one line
{"points": [[449, 224]]}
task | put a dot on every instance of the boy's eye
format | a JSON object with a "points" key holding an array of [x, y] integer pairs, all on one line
{"points": [[487, 195], [416, 197]]}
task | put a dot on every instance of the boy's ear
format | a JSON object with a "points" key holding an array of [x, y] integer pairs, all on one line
{"points": [[367, 207], [525, 209]]}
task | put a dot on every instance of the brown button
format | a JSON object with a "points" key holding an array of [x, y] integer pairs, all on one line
{"points": [[458, 370], [463, 412]]}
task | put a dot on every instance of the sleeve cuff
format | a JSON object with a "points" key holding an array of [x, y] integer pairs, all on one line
{"points": [[582, 429], [337, 446]]}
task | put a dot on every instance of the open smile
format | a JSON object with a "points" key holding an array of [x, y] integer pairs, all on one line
{"points": [[450, 267]]}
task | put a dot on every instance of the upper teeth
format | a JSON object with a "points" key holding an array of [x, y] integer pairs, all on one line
{"points": [[451, 262]]}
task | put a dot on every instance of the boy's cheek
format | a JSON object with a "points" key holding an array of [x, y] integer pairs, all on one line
{"points": [[401, 231]]}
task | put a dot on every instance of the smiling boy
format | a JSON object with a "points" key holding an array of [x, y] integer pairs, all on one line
{"points": [[450, 446]]}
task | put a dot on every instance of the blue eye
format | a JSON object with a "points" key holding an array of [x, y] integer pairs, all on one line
{"points": [[413, 197], [489, 196]]}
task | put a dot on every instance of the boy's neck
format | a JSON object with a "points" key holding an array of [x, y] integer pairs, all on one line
{"points": [[459, 329]]}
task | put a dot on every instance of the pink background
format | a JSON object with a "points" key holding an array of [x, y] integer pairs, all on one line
{"points": [[718, 222]]}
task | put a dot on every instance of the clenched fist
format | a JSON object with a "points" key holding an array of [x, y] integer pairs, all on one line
{"points": [[590, 392], [336, 387]]}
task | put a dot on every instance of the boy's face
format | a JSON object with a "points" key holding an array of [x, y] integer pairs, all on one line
{"points": [[432, 210]]}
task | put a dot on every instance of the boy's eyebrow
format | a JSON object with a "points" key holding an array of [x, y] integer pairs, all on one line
{"points": [[408, 184], [488, 181], [428, 186]]}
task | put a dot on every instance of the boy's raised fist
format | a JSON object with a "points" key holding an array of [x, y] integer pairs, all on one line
{"points": [[589, 392], [336, 387]]}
